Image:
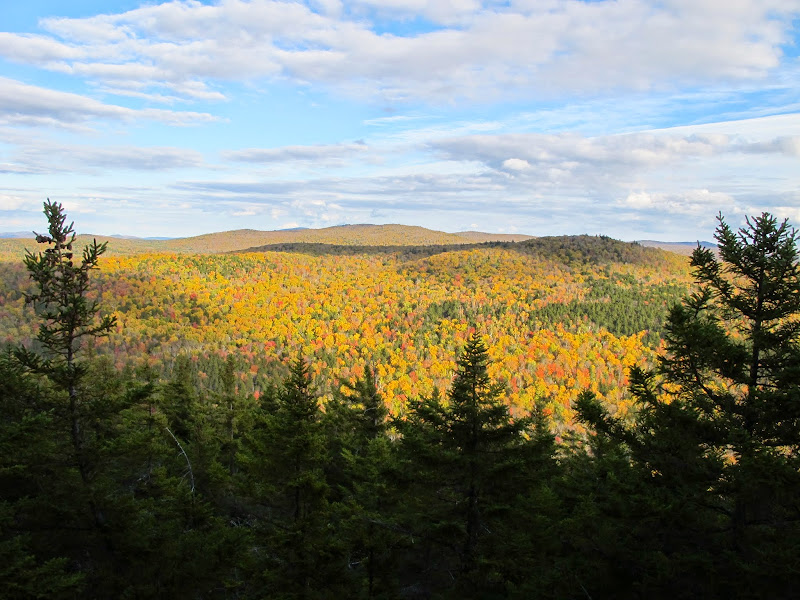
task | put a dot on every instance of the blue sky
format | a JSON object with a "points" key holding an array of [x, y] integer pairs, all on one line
{"points": [[631, 118]]}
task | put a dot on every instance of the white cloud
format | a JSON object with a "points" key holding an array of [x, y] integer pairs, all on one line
{"points": [[700, 202], [476, 50], [516, 164], [635, 151], [23, 104], [130, 157], [38, 49], [321, 154], [639, 200], [79, 206], [36, 156], [9, 202], [788, 212], [786, 145]]}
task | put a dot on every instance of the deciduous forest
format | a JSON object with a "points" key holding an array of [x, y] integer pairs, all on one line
{"points": [[565, 417]]}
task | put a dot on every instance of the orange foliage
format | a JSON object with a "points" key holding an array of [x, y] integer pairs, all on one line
{"points": [[407, 320]]}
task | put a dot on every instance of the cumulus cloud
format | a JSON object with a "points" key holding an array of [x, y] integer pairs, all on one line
{"points": [[789, 212], [86, 206], [700, 202], [516, 164], [471, 49]]}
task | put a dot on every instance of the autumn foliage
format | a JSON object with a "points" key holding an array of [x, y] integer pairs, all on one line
{"points": [[541, 305]]}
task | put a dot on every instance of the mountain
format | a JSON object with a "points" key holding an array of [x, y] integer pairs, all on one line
{"points": [[16, 234], [685, 248], [13, 244], [480, 237], [118, 236], [340, 235]]}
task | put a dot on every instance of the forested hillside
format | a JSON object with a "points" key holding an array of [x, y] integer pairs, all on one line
{"points": [[553, 418], [563, 314]]}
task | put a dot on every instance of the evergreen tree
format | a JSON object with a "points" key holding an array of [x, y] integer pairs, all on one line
{"points": [[734, 353], [63, 303], [362, 462], [68, 317], [284, 473], [96, 507], [180, 400], [34, 564], [466, 466], [716, 447]]}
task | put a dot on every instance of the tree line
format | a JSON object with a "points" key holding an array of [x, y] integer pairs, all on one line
{"points": [[114, 485]]}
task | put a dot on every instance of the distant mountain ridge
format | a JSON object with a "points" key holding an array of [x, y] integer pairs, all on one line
{"points": [[14, 243], [685, 248], [342, 235], [16, 234], [564, 249]]}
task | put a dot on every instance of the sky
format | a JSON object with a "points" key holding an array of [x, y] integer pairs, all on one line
{"points": [[638, 119]]}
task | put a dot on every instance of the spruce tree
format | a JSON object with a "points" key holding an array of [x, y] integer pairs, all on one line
{"points": [[734, 353], [34, 563], [284, 473], [99, 502], [716, 446], [62, 302], [466, 459], [68, 317], [360, 473]]}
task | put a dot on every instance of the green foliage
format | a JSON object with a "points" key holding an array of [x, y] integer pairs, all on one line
{"points": [[92, 502], [241, 475], [32, 566], [62, 299], [714, 448], [586, 249], [735, 344], [283, 469], [465, 456], [360, 473], [571, 250], [621, 304]]}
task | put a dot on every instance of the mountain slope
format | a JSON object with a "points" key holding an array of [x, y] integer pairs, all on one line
{"points": [[353, 236]]}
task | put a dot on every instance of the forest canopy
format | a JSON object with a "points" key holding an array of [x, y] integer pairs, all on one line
{"points": [[565, 418]]}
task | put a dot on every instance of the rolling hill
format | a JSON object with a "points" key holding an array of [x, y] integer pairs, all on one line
{"points": [[370, 236], [242, 239]]}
